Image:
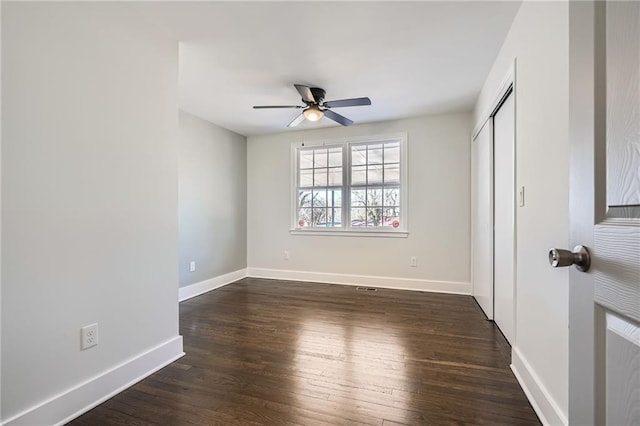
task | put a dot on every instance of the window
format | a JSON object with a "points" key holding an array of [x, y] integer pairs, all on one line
{"points": [[355, 186], [320, 187]]}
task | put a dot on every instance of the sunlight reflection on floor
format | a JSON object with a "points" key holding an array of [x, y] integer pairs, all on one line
{"points": [[356, 368]]}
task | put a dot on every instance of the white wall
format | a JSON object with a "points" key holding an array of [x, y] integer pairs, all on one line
{"points": [[212, 203], [89, 204], [539, 39], [438, 215]]}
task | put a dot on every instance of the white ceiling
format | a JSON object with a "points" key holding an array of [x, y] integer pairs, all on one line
{"points": [[410, 58]]}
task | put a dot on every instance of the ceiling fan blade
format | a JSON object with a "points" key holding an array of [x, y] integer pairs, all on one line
{"points": [[299, 119], [305, 92], [276, 106], [337, 117], [347, 103]]}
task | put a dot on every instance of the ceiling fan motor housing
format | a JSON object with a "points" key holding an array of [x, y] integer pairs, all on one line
{"points": [[318, 94]]}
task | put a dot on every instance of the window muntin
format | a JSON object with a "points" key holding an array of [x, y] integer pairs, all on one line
{"points": [[351, 186]]}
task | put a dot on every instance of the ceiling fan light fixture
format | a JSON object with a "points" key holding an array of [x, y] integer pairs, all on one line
{"points": [[313, 113]]}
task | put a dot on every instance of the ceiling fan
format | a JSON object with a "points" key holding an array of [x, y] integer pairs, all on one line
{"points": [[316, 107]]}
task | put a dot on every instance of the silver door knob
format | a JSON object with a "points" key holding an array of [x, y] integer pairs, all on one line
{"points": [[579, 257]]}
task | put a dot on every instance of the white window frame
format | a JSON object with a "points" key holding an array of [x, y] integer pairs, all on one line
{"points": [[346, 230]]}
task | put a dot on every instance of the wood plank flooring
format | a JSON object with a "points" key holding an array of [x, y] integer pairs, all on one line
{"points": [[267, 352]]}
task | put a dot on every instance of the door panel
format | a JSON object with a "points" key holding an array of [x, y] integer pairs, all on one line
{"points": [[623, 104], [482, 219], [504, 214], [623, 371], [617, 270]]}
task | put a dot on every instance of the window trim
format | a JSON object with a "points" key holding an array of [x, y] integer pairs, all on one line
{"points": [[346, 143]]}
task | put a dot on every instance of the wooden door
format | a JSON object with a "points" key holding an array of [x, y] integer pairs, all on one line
{"points": [[604, 311]]}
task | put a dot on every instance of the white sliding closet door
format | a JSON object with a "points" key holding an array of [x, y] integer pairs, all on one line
{"points": [[504, 214], [482, 219]]}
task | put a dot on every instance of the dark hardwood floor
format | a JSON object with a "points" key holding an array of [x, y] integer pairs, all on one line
{"points": [[265, 352]]}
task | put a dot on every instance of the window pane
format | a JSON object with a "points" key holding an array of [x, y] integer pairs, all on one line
{"points": [[306, 178], [335, 157], [392, 152], [374, 174], [331, 218], [358, 197], [359, 175], [358, 217], [374, 197], [334, 198], [374, 217], [391, 217], [304, 217], [392, 197], [319, 216], [304, 198], [320, 158], [320, 198], [374, 154], [306, 159], [358, 155], [335, 176], [337, 217], [392, 173], [320, 177], [322, 217]]}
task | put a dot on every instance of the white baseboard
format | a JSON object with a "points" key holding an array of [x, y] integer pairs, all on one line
{"points": [[363, 280], [541, 400], [197, 289], [71, 403]]}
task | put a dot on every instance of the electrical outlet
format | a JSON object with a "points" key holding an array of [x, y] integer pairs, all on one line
{"points": [[192, 266], [414, 261], [285, 255], [89, 334]]}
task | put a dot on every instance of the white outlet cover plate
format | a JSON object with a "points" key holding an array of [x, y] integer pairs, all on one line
{"points": [[89, 335]]}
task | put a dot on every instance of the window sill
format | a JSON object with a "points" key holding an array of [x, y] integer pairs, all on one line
{"points": [[351, 233]]}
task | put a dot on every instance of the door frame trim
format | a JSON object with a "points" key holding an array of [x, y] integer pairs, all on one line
{"points": [[508, 83]]}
